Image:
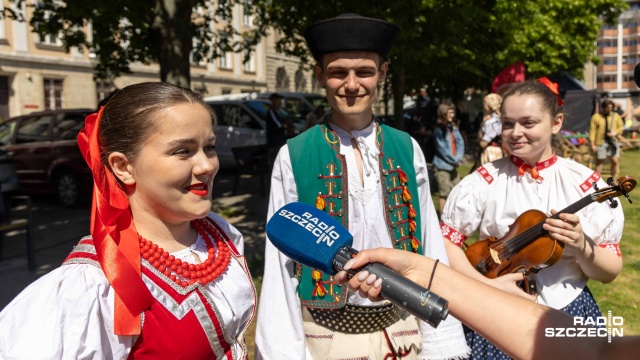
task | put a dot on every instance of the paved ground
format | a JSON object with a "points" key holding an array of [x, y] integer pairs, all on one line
{"points": [[56, 230]]}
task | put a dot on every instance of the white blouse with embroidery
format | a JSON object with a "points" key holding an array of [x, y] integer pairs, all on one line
{"points": [[68, 313], [491, 198]]}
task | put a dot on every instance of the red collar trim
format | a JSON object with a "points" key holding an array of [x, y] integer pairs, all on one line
{"points": [[533, 171], [539, 166]]}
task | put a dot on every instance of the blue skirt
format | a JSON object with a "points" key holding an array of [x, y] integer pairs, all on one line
{"points": [[584, 305]]}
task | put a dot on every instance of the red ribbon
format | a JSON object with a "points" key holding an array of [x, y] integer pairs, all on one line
{"points": [[114, 235], [554, 87]]}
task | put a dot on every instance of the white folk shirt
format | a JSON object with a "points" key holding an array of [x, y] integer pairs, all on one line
{"points": [[491, 200], [280, 333], [68, 313]]}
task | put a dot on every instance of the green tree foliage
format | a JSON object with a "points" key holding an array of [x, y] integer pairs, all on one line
{"points": [[448, 45], [121, 32], [552, 36], [456, 44]]}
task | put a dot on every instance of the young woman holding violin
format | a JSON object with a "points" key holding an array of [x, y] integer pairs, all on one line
{"points": [[492, 199]]}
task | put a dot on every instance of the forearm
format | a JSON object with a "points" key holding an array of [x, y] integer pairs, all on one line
{"points": [[459, 262], [598, 263], [514, 324]]}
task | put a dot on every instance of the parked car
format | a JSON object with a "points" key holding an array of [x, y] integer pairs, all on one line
{"points": [[8, 175], [44, 147], [240, 123], [299, 104]]}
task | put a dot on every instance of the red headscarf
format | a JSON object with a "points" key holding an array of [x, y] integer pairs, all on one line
{"points": [[554, 87], [114, 235]]}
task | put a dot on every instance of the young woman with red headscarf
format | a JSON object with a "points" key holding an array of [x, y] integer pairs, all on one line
{"points": [[161, 276]]}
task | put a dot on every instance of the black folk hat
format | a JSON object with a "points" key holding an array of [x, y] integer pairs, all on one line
{"points": [[350, 32]]}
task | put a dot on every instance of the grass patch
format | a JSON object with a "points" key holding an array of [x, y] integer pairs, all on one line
{"points": [[621, 295]]}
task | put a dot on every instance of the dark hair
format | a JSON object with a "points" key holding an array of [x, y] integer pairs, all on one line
{"points": [[381, 59], [548, 98], [129, 116], [606, 103]]}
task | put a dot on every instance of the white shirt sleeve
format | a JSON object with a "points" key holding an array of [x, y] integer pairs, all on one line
{"points": [[66, 314], [279, 330], [465, 206]]}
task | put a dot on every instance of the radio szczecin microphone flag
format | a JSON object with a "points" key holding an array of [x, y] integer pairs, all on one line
{"points": [[313, 238]]}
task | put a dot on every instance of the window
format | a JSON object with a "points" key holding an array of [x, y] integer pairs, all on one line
{"points": [[103, 90], [282, 79], [49, 39], [226, 59], [68, 126], [34, 129], [234, 115], [250, 65], [247, 17], [300, 81], [53, 94], [609, 61]]}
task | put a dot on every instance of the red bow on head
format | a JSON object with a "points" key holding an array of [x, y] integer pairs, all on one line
{"points": [[114, 235], [554, 87]]}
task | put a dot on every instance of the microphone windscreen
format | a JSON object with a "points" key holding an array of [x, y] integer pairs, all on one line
{"points": [[307, 235], [636, 74]]}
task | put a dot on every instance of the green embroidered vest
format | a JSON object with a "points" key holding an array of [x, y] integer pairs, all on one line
{"points": [[320, 173]]}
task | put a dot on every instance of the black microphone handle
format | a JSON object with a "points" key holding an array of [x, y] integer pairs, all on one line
{"points": [[401, 291]]}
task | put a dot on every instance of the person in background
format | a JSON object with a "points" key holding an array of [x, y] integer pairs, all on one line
{"points": [[490, 141], [277, 127], [449, 152], [314, 117], [603, 129], [355, 169], [161, 276], [518, 326], [534, 177]]}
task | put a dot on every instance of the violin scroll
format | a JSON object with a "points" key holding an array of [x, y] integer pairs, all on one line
{"points": [[623, 187]]}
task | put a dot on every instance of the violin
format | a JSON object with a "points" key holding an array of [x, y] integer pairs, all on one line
{"points": [[527, 247]]}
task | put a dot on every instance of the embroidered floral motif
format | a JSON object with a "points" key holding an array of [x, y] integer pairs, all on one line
{"points": [[612, 247], [452, 234]]}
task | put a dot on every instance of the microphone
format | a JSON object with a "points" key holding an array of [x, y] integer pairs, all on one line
{"points": [[313, 238]]}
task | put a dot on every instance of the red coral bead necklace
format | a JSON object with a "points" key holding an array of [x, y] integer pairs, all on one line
{"points": [[183, 273]]}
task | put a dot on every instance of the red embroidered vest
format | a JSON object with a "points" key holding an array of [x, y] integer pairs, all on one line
{"points": [[182, 323]]}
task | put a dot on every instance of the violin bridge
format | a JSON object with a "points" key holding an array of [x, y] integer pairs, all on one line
{"points": [[495, 256]]}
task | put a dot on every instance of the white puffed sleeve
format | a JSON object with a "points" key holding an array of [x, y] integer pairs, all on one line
{"points": [[464, 208], [66, 314]]}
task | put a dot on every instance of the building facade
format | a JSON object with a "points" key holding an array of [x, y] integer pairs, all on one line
{"points": [[619, 49], [37, 74]]}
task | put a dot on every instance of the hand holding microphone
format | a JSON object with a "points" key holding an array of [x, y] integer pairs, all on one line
{"points": [[313, 238]]}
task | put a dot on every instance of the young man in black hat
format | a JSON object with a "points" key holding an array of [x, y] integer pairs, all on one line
{"points": [[374, 180]]}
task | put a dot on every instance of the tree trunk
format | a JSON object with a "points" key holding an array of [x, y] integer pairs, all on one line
{"points": [[173, 26], [397, 84]]}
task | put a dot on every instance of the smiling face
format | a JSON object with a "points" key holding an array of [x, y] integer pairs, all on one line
{"points": [[351, 79], [527, 127], [172, 176]]}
